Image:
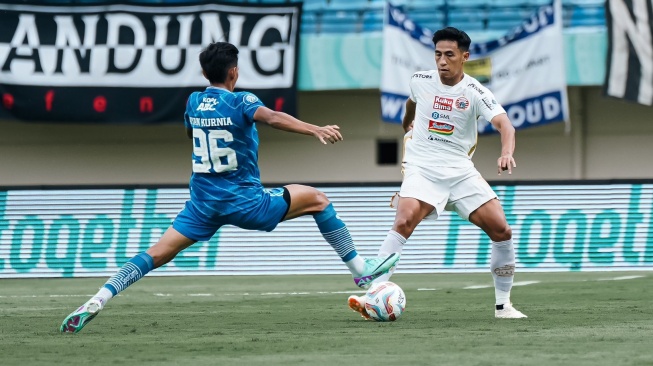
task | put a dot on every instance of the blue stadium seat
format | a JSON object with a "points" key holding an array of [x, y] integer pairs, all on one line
{"points": [[348, 4], [506, 18], [536, 3], [512, 3], [309, 23], [468, 19], [314, 5], [372, 21], [584, 2], [468, 3], [433, 20], [340, 22], [587, 16], [425, 3], [376, 3]]}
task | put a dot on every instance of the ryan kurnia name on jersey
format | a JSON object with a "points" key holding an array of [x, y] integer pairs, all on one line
{"points": [[210, 122]]}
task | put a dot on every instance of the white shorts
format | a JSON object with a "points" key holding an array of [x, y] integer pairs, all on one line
{"points": [[462, 190]]}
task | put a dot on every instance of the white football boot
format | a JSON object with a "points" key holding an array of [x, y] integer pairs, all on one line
{"points": [[508, 312]]}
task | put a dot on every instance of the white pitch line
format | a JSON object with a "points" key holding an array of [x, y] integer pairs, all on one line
{"points": [[32, 296], [525, 283], [519, 283], [476, 287], [620, 278], [34, 309]]}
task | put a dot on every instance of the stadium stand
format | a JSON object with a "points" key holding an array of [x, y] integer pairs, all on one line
{"points": [[347, 16]]}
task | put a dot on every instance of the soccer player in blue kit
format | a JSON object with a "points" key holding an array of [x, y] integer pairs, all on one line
{"points": [[225, 187]]}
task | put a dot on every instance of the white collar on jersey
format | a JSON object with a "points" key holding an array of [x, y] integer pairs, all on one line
{"points": [[216, 88]]}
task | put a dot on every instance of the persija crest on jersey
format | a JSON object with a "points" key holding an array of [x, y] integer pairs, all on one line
{"points": [[462, 103], [440, 128]]}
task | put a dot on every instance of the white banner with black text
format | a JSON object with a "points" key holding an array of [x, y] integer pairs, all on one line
{"points": [[629, 71], [124, 63]]}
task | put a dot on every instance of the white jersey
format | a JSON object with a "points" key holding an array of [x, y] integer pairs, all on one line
{"points": [[445, 129]]}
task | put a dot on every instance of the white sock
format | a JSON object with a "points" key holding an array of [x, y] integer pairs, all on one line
{"points": [[104, 294], [502, 297], [393, 243], [356, 265], [502, 265]]}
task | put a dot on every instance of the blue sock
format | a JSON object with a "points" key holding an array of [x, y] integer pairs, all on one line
{"points": [[130, 272], [335, 232]]}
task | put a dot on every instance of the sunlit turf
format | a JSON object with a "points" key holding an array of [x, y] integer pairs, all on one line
{"points": [[574, 319]]}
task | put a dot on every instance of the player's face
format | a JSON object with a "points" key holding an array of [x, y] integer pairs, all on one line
{"points": [[450, 59]]}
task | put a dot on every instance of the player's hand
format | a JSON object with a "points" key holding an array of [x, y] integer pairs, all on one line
{"points": [[330, 133], [506, 162]]}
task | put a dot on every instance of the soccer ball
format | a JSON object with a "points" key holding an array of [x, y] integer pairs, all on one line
{"points": [[385, 302]]}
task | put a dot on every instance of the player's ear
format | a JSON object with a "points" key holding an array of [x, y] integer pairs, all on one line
{"points": [[204, 74], [465, 55]]}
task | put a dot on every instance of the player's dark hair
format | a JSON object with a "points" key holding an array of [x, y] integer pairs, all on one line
{"points": [[216, 60], [455, 35]]}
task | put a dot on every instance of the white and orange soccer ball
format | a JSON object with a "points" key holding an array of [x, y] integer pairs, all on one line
{"points": [[385, 301]]}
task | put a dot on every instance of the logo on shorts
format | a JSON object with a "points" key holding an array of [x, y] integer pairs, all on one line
{"points": [[462, 103], [440, 128], [443, 104]]}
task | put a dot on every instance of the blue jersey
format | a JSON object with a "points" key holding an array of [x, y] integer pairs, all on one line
{"points": [[225, 149]]}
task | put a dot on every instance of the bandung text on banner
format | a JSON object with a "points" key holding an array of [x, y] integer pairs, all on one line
{"points": [[137, 63]]}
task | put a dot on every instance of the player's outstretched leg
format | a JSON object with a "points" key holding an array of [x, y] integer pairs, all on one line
{"points": [[502, 262], [132, 271], [335, 232]]}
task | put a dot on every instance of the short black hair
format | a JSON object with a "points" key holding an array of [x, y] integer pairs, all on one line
{"points": [[216, 60], [455, 35]]}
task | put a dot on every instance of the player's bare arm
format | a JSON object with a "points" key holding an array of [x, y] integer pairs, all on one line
{"points": [[285, 122], [407, 122], [505, 162]]}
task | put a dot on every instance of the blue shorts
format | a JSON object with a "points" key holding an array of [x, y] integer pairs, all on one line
{"points": [[265, 216]]}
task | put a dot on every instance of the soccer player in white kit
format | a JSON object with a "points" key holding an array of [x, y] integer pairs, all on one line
{"points": [[441, 136]]}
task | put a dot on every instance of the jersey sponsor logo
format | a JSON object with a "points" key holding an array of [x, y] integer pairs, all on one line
{"points": [[440, 128], [422, 76], [250, 98], [462, 103], [438, 115], [487, 103], [443, 104], [476, 87], [440, 139], [208, 104]]}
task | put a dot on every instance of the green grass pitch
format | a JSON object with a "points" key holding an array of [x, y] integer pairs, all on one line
{"points": [[600, 318]]}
